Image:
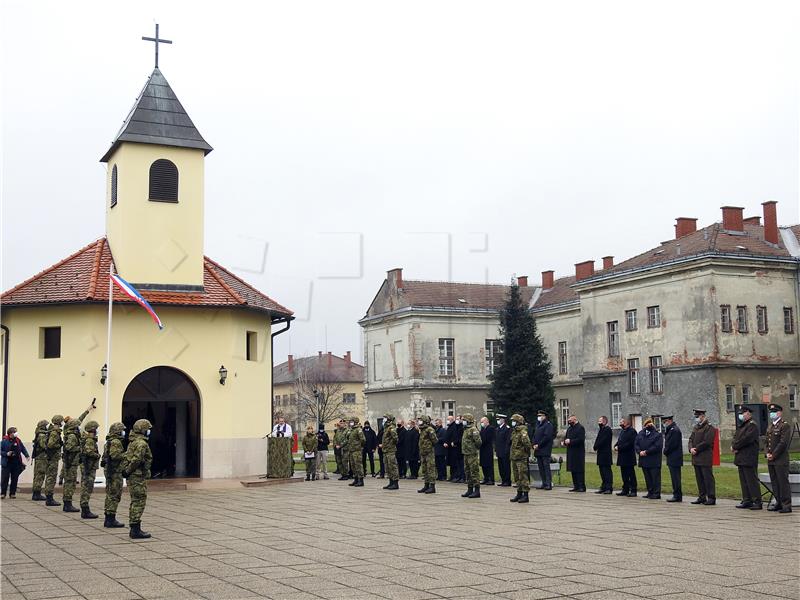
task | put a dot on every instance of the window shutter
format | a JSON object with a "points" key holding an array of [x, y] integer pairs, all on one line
{"points": [[114, 186], [163, 181]]}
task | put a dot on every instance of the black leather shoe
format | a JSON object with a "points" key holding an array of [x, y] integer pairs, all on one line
{"points": [[743, 504], [700, 500], [773, 508], [656, 497], [632, 494], [674, 499], [608, 492], [600, 492], [711, 502], [785, 511], [622, 493], [756, 507]]}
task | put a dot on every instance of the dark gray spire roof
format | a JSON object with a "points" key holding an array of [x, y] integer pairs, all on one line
{"points": [[157, 117]]}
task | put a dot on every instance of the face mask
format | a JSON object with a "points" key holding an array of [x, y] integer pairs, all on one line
{"points": [[419, 422], [458, 422], [513, 423], [599, 424], [773, 415], [122, 433], [697, 420], [352, 424], [741, 417], [499, 422], [483, 425], [147, 433], [366, 426], [449, 423], [408, 426], [14, 434], [540, 418]]}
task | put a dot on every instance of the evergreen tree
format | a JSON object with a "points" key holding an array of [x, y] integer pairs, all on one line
{"points": [[521, 382]]}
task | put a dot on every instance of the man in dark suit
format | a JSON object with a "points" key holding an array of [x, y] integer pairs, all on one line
{"points": [[649, 445], [402, 466], [575, 441], [368, 451], [440, 452], [745, 457], [626, 458], [502, 448], [455, 459], [602, 445], [412, 448], [673, 450], [543, 437], [487, 451]]}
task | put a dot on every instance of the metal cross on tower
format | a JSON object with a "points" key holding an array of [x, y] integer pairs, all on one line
{"points": [[157, 40]]}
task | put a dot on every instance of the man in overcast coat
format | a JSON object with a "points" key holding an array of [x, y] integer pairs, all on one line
{"points": [[602, 445]]}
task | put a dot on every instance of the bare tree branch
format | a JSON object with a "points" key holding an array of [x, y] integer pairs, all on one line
{"points": [[328, 404]]}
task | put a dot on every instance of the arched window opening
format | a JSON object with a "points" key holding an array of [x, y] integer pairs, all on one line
{"points": [[163, 181], [114, 186]]}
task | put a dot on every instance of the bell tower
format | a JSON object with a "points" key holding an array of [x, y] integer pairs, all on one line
{"points": [[154, 192]]}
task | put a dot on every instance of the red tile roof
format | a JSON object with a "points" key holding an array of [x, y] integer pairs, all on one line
{"points": [[339, 371], [82, 278], [560, 293]]}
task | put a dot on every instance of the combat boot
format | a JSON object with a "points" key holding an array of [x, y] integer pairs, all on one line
{"points": [[38, 496], [50, 502], [392, 485], [524, 498], [431, 489], [111, 521], [308, 476], [313, 477], [516, 498], [354, 482], [86, 513], [424, 489], [476, 493], [68, 507], [137, 533], [468, 493], [360, 482]]}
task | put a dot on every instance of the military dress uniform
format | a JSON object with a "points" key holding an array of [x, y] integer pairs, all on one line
{"points": [[90, 459], [39, 456], [470, 448], [779, 435], [520, 453], [389, 445], [113, 456], [136, 469], [427, 442], [702, 441], [54, 443], [673, 451], [355, 444], [745, 448]]}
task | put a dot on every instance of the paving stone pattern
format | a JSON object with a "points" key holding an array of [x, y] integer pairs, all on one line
{"points": [[328, 540]]}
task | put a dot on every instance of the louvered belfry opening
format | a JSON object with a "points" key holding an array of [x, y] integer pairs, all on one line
{"points": [[163, 181], [114, 186]]}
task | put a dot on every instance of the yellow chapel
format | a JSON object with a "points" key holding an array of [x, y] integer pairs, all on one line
{"points": [[205, 380]]}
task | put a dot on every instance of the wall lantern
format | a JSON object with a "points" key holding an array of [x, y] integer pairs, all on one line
{"points": [[103, 374], [223, 374]]}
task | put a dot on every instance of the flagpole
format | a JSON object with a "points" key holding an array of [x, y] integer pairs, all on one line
{"points": [[108, 342]]}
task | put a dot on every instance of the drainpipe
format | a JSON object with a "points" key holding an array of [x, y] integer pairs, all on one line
{"points": [[5, 375], [288, 321]]}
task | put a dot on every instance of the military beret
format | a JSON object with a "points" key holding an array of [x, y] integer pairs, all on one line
{"points": [[775, 407], [699, 411]]}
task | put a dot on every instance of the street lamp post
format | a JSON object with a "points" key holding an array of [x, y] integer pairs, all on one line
{"points": [[319, 416]]}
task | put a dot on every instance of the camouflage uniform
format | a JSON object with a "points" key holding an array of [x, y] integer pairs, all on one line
{"points": [[90, 457], [136, 468], [427, 440], [355, 443], [310, 445], [54, 444], [520, 452], [340, 439], [39, 454], [389, 447], [470, 448], [113, 455], [71, 455]]}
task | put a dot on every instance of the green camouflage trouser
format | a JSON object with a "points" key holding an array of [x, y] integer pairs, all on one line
{"points": [[472, 469], [346, 470], [51, 475], [356, 464], [137, 488], [39, 473], [390, 463], [337, 454], [113, 492], [70, 479], [428, 464], [521, 477], [87, 485]]}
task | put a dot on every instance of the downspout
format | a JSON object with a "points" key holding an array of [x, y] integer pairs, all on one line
{"points": [[288, 321], [5, 374]]}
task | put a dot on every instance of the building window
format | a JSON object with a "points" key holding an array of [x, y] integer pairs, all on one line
{"points": [[563, 411], [615, 398], [163, 181], [376, 353], [656, 375], [633, 375], [659, 425], [446, 357], [788, 320], [492, 346], [448, 408], [653, 316], [613, 338], [562, 358], [252, 345], [792, 396], [730, 397], [761, 319], [741, 319], [746, 394], [631, 322], [50, 342], [348, 398], [114, 186], [766, 394], [725, 318]]}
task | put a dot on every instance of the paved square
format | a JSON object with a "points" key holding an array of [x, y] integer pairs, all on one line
{"points": [[328, 540]]}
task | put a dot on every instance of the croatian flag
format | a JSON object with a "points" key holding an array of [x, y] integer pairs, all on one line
{"points": [[132, 293]]}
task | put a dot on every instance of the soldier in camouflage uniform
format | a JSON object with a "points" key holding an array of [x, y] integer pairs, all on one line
{"points": [[54, 444], [470, 448], [71, 455], [389, 447], [90, 457], [113, 455], [310, 443], [39, 454], [136, 468], [355, 444], [340, 444], [520, 452], [427, 440]]}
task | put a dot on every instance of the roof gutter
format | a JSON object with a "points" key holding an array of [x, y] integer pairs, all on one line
{"points": [[273, 335], [6, 340]]}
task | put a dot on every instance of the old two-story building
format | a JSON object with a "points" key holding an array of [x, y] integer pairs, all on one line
{"points": [[429, 346]]}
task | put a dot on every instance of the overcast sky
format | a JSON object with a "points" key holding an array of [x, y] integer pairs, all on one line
{"points": [[459, 140]]}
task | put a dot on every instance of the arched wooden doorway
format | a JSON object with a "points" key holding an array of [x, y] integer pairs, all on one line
{"points": [[171, 402]]}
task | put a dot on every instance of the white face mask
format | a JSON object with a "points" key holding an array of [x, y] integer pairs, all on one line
{"points": [[148, 432], [458, 421], [540, 418], [513, 423], [13, 435], [500, 422], [352, 424], [419, 422]]}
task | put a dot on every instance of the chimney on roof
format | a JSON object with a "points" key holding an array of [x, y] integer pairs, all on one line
{"points": [[395, 278], [291, 364], [547, 279], [522, 281], [684, 226], [584, 269], [348, 359], [732, 218], [608, 262], [770, 222], [330, 360]]}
